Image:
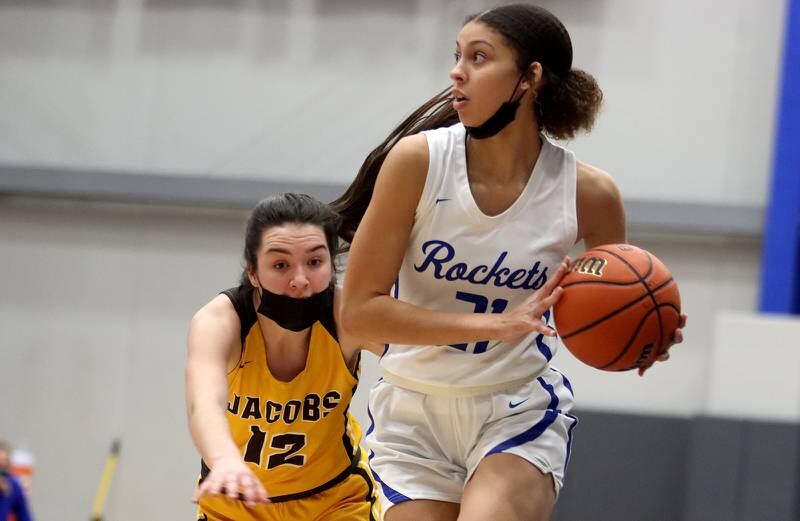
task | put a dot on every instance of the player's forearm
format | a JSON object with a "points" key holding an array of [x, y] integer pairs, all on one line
{"points": [[210, 432], [387, 320]]}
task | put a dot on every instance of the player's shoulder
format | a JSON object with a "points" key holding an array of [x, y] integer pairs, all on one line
{"points": [[406, 167], [593, 177], [218, 311], [216, 328], [595, 185], [411, 149], [601, 213], [414, 152]]}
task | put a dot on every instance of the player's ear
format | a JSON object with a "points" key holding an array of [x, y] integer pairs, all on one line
{"points": [[251, 276], [533, 77]]}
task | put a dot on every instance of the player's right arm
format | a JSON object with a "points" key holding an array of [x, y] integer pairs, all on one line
{"points": [[376, 254], [214, 341]]}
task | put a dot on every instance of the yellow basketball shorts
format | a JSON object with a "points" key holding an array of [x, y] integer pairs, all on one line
{"points": [[354, 499]]}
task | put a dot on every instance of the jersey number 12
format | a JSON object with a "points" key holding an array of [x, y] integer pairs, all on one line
{"points": [[290, 443]]}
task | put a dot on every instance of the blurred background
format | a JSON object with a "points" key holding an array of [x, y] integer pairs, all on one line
{"points": [[135, 135]]}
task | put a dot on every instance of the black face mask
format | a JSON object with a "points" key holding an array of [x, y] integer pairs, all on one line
{"points": [[295, 314], [500, 119]]}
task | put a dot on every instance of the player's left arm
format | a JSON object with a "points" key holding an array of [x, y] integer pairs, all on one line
{"points": [[601, 220]]}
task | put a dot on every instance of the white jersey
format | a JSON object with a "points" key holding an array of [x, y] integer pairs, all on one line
{"points": [[460, 259]]}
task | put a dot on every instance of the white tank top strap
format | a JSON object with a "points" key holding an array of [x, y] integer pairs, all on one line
{"points": [[440, 143]]}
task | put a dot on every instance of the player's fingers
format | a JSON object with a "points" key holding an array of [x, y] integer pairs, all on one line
{"points": [[247, 484], [208, 486], [545, 329], [262, 493], [199, 490], [643, 369], [232, 487], [224, 487], [541, 306], [244, 487], [556, 277], [682, 323], [549, 286], [677, 337], [252, 489], [202, 491], [547, 302], [663, 357], [217, 486]]}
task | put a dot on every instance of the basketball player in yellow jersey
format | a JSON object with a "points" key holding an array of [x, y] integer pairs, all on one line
{"points": [[270, 376]]}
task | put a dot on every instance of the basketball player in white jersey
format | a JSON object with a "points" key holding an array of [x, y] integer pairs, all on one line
{"points": [[458, 257]]}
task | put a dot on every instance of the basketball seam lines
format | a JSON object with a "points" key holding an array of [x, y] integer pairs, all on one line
{"points": [[630, 340], [633, 337], [651, 294], [603, 282], [649, 262], [623, 308], [636, 273]]}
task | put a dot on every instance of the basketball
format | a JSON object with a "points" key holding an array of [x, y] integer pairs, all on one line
{"points": [[619, 308]]}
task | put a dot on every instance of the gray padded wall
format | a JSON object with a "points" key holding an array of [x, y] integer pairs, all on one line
{"points": [[650, 468]]}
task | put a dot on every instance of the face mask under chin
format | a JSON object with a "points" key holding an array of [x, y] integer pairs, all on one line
{"points": [[500, 119]]}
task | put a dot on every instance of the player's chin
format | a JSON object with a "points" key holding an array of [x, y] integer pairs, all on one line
{"points": [[469, 119]]}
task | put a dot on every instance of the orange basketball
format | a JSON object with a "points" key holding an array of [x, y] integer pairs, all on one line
{"points": [[619, 309]]}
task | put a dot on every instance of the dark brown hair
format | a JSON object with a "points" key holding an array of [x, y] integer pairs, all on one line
{"points": [[567, 102], [289, 208]]}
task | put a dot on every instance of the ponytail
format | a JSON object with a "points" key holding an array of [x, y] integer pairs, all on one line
{"points": [[567, 105]]}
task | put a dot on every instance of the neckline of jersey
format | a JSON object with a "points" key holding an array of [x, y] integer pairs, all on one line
{"points": [[465, 191]]}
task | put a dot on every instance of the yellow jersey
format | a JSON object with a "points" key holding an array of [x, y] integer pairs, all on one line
{"points": [[297, 437]]}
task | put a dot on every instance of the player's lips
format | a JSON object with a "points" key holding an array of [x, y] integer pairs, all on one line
{"points": [[459, 99]]}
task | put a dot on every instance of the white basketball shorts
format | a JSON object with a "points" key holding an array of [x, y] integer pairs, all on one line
{"points": [[424, 446]]}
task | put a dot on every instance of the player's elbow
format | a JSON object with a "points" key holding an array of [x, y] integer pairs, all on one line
{"points": [[353, 317], [350, 323]]}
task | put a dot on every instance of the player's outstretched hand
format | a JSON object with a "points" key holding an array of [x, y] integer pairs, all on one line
{"points": [[232, 478], [527, 317], [677, 338]]}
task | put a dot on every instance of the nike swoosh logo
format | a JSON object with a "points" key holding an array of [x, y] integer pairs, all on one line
{"points": [[441, 199], [244, 363], [512, 405]]}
